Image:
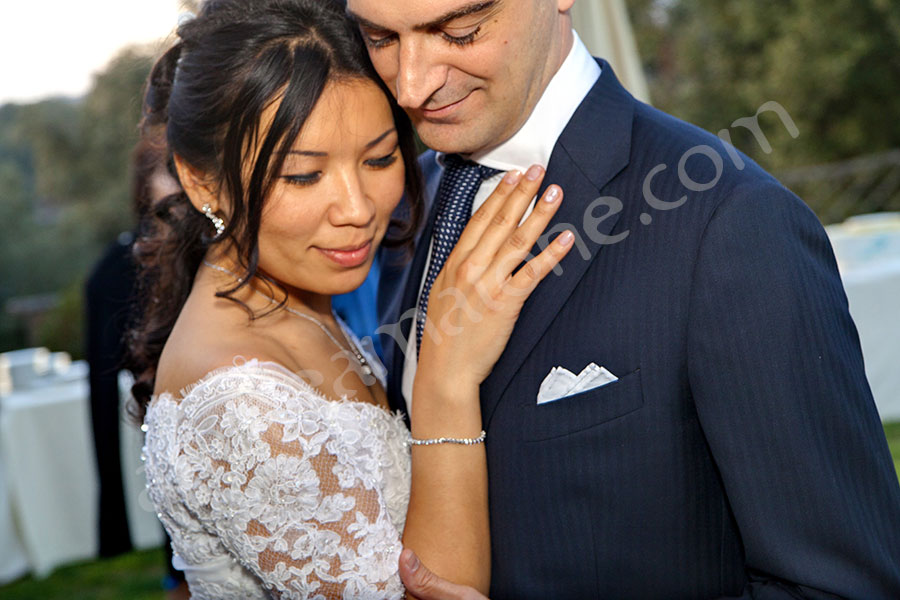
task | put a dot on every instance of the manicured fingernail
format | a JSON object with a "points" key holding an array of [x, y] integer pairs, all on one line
{"points": [[534, 173], [412, 562], [566, 238], [513, 177], [552, 194]]}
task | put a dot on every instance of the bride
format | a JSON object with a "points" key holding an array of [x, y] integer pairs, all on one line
{"points": [[272, 458]]}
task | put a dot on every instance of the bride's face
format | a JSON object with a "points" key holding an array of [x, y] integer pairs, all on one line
{"points": [[332, 202]]}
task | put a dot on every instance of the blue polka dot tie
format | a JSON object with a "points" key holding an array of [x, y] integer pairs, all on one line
{"points": [[459, 184]]}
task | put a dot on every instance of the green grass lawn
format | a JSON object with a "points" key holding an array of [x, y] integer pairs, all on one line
{"points": [[892, 430], [139, 575], [133, 576]]}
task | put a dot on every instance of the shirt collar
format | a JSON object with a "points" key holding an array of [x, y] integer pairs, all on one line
{"points": [[533, 143]]}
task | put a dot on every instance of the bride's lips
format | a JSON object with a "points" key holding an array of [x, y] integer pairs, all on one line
{"points": [[444, 111], [351, 256]]}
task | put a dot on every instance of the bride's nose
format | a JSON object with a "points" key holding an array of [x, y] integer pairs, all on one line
{"points": [[351, 205]]}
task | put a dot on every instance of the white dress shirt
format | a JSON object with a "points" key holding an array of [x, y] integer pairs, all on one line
{"points": [[532, 144]]}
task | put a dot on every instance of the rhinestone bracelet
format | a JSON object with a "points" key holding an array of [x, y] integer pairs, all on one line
{"points": [[445, 440]]}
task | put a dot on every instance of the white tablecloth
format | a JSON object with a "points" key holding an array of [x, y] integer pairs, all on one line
{"points": [[45, 440], [51, 489], [868, 253], [13, 561], [143, 525]]}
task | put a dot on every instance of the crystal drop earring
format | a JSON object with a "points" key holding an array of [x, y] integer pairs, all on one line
{"points": [[217, 221]]}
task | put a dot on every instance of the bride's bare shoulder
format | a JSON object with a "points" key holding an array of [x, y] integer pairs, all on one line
{"points": [[197, 347]]}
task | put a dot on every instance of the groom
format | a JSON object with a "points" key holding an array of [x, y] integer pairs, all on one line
{"points": [[735, 450]]}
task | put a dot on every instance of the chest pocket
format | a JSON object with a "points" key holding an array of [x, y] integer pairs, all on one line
{"points": [[582, 411]]}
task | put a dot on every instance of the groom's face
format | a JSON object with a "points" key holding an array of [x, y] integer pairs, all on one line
{"points": [[468, 72]]}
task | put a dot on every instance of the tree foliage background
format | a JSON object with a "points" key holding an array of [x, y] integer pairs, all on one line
{"points": [[64, 194], [834, 65]]}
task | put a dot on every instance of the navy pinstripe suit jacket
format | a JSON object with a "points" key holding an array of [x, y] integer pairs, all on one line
{"points": [[740, 452]]}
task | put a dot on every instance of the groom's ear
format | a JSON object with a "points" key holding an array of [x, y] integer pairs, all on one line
{"points": [[198, 186], [564, 5]]}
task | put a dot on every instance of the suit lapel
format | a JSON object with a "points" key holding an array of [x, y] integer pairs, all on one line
{"points": [[594, 148], [394, 353]]}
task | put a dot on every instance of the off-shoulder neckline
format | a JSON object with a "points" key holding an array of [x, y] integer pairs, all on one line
{"points": [[241, 363]]}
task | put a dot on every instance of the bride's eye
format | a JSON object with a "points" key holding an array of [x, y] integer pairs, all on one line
{"points": [[383, 162], [302, 179]]}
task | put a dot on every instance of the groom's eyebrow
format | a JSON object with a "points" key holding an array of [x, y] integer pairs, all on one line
{"points": [[464, 11]]}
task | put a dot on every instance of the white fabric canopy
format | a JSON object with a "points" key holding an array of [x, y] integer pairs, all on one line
{"points": [[604, 28]]}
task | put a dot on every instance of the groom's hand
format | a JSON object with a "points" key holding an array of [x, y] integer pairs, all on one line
{"points": [[425, 585]]}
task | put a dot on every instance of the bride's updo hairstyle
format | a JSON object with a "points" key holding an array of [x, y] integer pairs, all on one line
{"points": [[209, 90]]}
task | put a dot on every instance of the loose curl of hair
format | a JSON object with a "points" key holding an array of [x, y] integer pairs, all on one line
{"points": [[209, 91]]}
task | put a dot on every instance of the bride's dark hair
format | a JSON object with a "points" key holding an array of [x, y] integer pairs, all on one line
{"points": [[209, 91]]}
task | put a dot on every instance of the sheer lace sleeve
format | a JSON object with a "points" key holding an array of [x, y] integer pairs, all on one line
{"points": [[291, 483]]}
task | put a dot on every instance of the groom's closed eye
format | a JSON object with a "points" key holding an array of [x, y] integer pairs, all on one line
{"points": [[373, 34], [377, 38], [459, 27]]}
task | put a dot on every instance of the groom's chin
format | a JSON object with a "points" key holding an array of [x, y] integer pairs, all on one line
{"points": [[452, 138]]}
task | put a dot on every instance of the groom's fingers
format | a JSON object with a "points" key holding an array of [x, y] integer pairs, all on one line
{"points": [[425, 585]]}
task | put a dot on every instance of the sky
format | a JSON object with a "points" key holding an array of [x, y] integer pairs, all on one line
{"points": [[53, 47]]}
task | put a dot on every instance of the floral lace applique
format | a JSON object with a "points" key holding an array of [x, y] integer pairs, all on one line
{"points": [[268, 487]]}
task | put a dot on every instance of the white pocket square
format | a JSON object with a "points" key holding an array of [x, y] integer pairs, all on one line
{"points": [[561, 382]]}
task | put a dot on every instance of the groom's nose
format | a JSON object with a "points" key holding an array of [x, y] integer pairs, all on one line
{"points": [[420, 72]]}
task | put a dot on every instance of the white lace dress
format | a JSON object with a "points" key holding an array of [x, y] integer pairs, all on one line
{"points": [[270, 490]]}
